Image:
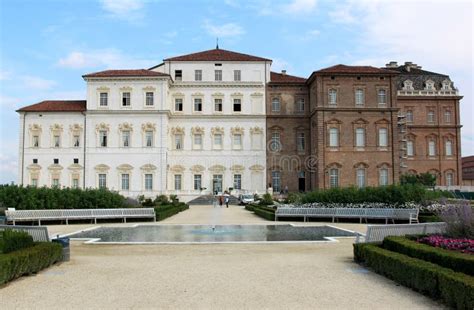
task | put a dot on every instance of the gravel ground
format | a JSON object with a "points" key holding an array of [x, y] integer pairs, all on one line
{"points": [[216, 276]]}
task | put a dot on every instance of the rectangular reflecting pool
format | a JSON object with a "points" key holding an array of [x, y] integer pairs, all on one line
{"points": [[210, 234]]}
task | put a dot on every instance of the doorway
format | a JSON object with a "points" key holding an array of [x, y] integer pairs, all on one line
{"points": [[217, 183], [301, 181]]}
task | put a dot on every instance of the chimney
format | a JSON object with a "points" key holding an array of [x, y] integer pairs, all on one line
{"points": [[283, 72], [392, 64]]}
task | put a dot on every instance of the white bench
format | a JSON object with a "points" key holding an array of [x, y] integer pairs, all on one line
{"points": [[410, 215], [39, 234], [376, 233], [14, 216]]}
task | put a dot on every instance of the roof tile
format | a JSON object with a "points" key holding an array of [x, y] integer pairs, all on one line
{"points": [[124, 73], [217, 55], [285, 78], [56, 106], [344, 69]]}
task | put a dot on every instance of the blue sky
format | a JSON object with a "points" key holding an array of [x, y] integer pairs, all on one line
{"points": [[47, 45]]}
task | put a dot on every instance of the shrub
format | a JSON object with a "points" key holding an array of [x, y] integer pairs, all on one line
{"points": [[161, 200], [29, 260], [265, 212], [454, 288], [165, 211], [463, 245], [426, 179], [266, 200], [11, 240], [456, 261], [460, 220]]}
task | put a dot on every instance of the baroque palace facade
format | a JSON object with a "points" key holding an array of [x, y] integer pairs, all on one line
{"points": [[216, 120]]}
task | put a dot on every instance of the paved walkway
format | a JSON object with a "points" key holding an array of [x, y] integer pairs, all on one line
{"points": [[215, 276]]}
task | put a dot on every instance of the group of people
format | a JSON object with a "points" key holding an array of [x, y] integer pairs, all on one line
{"points": [[222, 199]]}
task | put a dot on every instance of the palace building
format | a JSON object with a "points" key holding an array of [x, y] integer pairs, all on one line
{"points": [[219, 120]]}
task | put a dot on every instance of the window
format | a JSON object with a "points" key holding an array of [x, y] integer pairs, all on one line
{"points": [[276, 181], [34, 182], [431, 116], [35, 141], [449, 148], [197, 104], [360, 177], [334, 177], [410, 149], [197, 182], [383, 137], [334, 137], [149, 138], [275, 144], [236, 75], [446, 85], [275, 105], [76, 160], [300, 105], [56, 161], [447, 116], [237, 181], [125, 181], [431, 148], [360, 137], [76, 140], [410, 116], [300, 142], [237, 105], [449, 179], [407, 85], [55, 182], [178, 141], [382, 96], [178, 75], [126, 138], [383, 177], [218, 105], [102, 180], [198, 141], [104, 98], [237, 142], [429, 85], [177, 182], [148, 181], [149, 96], [75, 183], [332, 97], [218, 140], [218, 75], [125, 99], [57, 141], [198, 75], [178, 104], [35, 160], [359, 97]]}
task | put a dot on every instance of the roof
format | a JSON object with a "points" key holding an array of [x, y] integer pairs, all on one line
{"points": [[125, 73], [418, 77], [56, 106], [217, 54], [285, 78], [344, 69]]}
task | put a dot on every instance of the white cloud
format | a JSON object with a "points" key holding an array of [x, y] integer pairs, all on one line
{"points": [[108, 58], [299, 6], [279, 64], [37, 83], [293, 8], [130, 10], [224, 30]]}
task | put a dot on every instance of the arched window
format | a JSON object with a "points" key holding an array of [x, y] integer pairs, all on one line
{"points": [[334, 177], [361, 179], [449, 178], [383, 176], [449, 148]]}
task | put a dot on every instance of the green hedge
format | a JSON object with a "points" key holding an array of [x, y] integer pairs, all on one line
{"points": [[11, 240], [265, 212], [165, 211], [454, 288], [30, 260], [394, 194], [450, 259], [39, 198]]}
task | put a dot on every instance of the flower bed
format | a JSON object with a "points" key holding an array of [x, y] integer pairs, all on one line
{"points": [[462, 245]]}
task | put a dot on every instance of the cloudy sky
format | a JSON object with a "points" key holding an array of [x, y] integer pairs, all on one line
{"points": [[47, 45]]}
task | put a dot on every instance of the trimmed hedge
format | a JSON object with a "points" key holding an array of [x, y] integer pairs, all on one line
{"points": [[11, 240], [38, 198], [165, 211], [449, 259], [265, 212], [454, 288], [30, 260]]}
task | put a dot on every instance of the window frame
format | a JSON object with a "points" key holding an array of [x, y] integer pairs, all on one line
{"points": [[237, 75], [235, 104], [276, 104], [218, 75], [147, 97], [124, 99], [198, 75]]}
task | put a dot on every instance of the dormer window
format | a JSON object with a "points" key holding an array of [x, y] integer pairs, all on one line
{"points": [[407, 85], [429, 85], [446, 85]]}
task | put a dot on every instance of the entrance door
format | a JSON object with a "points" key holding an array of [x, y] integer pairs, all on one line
{"points": [[301, 181], [217, 183]]}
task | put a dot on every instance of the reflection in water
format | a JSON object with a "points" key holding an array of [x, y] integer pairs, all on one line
{"points": [[205, 233]]}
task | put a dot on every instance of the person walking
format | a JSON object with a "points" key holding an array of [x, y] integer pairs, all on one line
{"points": [[221, 200], [226, 199]]}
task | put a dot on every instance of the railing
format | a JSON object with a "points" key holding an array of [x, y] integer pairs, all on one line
{"points": [[38, 233], [376, 233], [428, 92]]}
